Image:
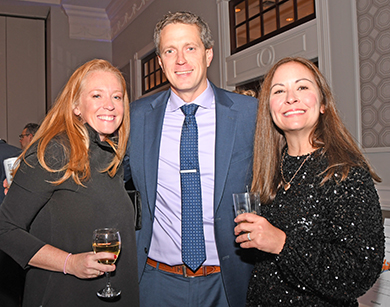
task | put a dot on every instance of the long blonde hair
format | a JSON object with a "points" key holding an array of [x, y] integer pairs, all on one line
{"points": [[330, 134], [61, 120]]}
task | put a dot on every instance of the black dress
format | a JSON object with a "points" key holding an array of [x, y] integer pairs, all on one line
{"points": [[334, 240], [36, 212]]}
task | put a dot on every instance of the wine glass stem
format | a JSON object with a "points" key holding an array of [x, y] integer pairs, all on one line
{"points": [[108, 284]]}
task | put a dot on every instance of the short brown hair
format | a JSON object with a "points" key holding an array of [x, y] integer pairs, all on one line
{"points": [[184, 18]]}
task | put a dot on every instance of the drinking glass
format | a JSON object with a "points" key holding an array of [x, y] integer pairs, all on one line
{"points": [[107, 240], [248, 202]]}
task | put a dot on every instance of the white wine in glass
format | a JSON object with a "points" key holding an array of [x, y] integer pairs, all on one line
{"points": [[107, 240]]}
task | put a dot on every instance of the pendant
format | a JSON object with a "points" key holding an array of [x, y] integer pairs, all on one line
{"points": [[287, 186]]}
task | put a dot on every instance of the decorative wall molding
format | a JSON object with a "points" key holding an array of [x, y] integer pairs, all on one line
{"points": [[54, 2], [88, 23], [123, 12], [138, 68], [255, 61], [224, 41], [384, 197], [101, 24]]}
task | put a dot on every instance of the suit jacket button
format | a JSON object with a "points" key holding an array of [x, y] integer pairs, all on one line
{"points": [[146, 250]]}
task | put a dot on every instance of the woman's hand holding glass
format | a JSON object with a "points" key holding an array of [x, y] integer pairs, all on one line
{"points": [[87, 265], [254, 231]]}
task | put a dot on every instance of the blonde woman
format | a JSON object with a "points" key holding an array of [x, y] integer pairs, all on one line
{"points": [[70, 182]]}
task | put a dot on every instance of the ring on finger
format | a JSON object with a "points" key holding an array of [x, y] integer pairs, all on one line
{"points": [[249, 237]]}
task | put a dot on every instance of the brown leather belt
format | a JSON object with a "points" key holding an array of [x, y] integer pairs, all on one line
{"points": [[183, 270]]}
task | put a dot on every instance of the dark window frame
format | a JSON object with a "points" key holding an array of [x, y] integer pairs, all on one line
{"points": [[279, 30], [152, 74]]}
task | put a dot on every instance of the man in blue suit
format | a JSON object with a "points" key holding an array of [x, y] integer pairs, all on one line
{"points": [[226, 123]]}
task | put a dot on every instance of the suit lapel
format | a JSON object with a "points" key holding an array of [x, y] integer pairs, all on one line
{"points": [[153, 122], [224, 141]]}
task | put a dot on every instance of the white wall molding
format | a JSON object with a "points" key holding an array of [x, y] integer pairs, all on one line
{"points": [[224, 41], [255, 61], [101, 24], [384, 196], [122, 12], [138, 56], [323, 35], [88, 23]]}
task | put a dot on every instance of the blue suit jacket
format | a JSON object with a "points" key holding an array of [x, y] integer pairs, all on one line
{"points": [[235, 123]]}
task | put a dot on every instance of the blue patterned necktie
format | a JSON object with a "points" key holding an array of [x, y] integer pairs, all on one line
{"points": [[192, 238]]}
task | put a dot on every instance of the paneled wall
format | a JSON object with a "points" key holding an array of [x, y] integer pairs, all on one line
{"points": [[22, 75]]}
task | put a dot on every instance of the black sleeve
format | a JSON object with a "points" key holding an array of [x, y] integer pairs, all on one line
{"points": [[30, 190]]}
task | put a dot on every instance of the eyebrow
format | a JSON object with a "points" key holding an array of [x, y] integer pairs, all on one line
{"points": [[302, 79]]}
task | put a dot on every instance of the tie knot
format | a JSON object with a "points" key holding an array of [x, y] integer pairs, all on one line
{"points": [[189, 109]]}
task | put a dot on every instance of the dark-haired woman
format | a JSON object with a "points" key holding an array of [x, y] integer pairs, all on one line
{"points": [[320, 236]]}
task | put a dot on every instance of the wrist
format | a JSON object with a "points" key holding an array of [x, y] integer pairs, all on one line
{"points": [[65, 262]]}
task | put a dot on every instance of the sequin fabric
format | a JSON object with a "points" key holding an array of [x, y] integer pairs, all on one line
{"points": [[335, 240]]}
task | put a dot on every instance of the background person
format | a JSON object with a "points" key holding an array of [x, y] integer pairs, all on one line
{"points": [[27, 134], [6, 151], [70, 182], [320, 235], [12, 276], [225, 123]]}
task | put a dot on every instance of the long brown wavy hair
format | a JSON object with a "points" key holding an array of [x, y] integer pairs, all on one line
{"points": [[329, 133], [61, 121]]}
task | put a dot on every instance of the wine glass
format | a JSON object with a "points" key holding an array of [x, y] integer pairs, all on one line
{"points": [[248, 202], [107, 240]]}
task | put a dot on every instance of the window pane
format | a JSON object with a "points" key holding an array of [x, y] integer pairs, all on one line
{"points": [[164, 79], [146, 68], [152, 84], [151, 64], [305, 8], [286, 13], [241, 35], [158, 77], [239, 10], [146, 82], [254, 29], [269, 21], [253, 8]]}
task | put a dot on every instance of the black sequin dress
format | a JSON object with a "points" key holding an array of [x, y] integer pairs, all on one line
{"points": [[334, 240]]}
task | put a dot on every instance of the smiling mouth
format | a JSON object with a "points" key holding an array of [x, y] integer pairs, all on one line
{"points": [[106, 117], [183, 72], [294, 112]]}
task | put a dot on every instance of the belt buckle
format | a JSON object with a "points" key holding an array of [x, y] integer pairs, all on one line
{"points": [[184, 267]]}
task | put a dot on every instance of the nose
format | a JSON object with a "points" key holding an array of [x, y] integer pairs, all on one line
{"points": [[291, 97], [180, 58], [109, 104]]}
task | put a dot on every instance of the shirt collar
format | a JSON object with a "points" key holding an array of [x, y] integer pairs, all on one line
{"points": [[204, 100]]}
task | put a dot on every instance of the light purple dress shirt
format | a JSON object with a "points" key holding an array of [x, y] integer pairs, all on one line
{"points": [[166, 239]]}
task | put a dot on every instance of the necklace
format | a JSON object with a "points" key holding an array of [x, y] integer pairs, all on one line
{"points": [[287, 185]]}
